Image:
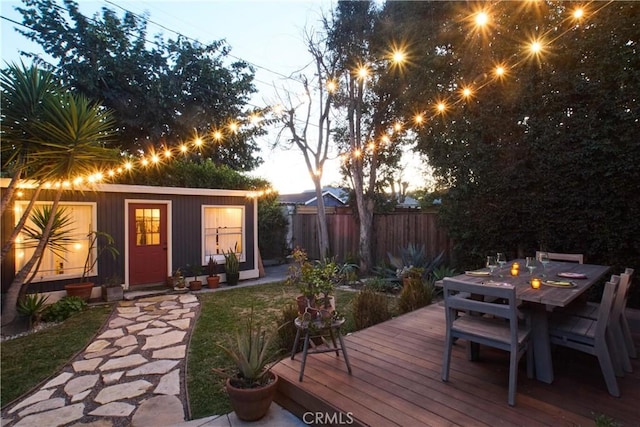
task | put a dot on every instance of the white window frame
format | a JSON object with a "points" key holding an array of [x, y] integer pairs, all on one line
{"points": [[243, 231], [80, 234]]}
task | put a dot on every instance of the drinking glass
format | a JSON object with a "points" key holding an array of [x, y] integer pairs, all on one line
{"points": [[544, 260], [531, 264], [502, 259], [492, 263]]}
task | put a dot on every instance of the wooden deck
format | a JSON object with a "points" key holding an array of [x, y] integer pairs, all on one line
{"points": [[396, 381]]}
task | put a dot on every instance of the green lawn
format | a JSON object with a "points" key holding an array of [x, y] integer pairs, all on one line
{"points": [[221, 313], [28, 360]]}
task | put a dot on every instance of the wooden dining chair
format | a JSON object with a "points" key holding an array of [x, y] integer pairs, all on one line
{"points": [[557, 256], [589, 335], [470, 317], [618, 330]]}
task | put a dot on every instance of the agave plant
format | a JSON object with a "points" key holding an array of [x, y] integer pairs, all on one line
{"points": [[253, 353], [32, 305], [415, 257]]}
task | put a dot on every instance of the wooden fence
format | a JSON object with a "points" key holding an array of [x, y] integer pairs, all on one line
{"points": [[391, 232]]}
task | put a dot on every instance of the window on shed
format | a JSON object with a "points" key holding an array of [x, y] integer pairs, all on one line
{"points": [[147, 227], [223, 231], [67, 261]]}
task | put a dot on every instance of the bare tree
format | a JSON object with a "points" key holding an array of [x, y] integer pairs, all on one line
{"points": [[316, 151]]}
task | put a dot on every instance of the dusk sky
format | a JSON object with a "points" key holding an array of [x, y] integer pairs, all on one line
{"points": [[268, 34]]}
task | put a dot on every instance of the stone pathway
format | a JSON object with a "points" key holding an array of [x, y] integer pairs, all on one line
{"points": [[130, 375]]}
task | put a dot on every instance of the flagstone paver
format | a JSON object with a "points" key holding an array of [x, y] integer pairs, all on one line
{"points": [[114, 409], [122, 391], [45, 405], [158, 411], [87, 365], [129, 375], [55, 417], [80, 384], [157, 367], [60, 379], [123, 362], [169, 383], [177, 352], [164, 340]]}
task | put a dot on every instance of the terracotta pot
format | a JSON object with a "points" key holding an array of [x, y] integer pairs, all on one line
{"points": [[251, 404], [82, 290], [195, 285], [304, 303], [213, 282]]}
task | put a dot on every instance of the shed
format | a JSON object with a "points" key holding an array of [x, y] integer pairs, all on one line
{"points": [[156, 231]]}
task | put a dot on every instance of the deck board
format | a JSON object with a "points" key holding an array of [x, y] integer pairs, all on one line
{"points": [[396, 381]]}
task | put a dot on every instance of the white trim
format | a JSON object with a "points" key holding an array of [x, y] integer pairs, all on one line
{"points": [[141, 189], [243, 220], [61, 204], [169, 251]]}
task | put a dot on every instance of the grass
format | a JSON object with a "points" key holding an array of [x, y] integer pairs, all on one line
{"points": [[220, 315], [29, 360]]}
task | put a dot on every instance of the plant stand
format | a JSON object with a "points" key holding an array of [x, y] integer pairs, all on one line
{"points": [[317, 328]]}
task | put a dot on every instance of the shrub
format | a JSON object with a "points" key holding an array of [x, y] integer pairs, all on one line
{"points": [[63, 309], [370, 308], [378, 284], [415, 293], [287, 333]]}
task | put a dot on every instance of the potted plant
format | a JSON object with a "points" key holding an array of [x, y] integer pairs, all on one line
{"points": [[231, 267], [316, 282], [252, 387], [112, 290], [104, 243], [176, 280], [213, 280], [195, 284], [302, 275]]}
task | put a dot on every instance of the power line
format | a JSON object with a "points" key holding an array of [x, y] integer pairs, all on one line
{"points": [[199, 42]]}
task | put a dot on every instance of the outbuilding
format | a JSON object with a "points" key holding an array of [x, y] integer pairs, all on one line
{"points": [[157, 230]]}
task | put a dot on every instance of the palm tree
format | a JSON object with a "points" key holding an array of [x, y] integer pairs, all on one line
{"points": [[69, 140], [24, 91]]}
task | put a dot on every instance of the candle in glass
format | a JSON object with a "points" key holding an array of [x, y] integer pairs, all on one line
{"points": [[535, 283], [515, 269]]}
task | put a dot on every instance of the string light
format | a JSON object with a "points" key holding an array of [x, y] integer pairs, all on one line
{"points": [[362, 72], [482, 19], [332, 86], [397, 55]]}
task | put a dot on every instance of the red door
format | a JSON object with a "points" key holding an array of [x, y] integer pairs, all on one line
{"points": [[147, 243]]}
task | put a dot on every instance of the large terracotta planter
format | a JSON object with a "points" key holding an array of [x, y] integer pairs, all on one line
{"points": [[82, 290], [251, 404]]}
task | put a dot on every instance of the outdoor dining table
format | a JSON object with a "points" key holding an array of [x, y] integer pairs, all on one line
{"points": [[543, 300]]}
